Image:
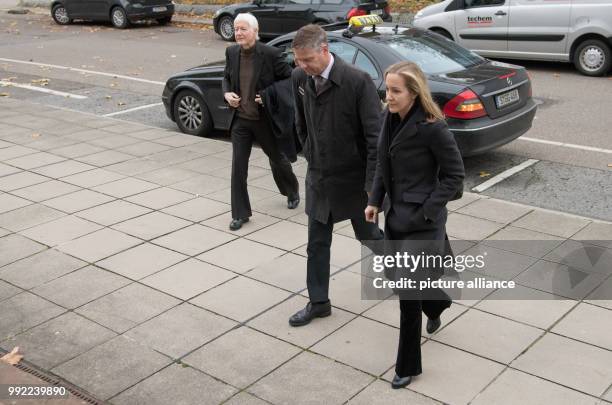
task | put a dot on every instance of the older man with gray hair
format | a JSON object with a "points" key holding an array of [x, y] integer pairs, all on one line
{"points": [[251, 67]]}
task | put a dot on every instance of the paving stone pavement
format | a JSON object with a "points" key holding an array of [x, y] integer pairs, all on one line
{"points": [[118, 273]]}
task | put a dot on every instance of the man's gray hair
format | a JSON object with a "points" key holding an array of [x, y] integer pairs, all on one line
{"points": [[249, 19], [310, 36]]}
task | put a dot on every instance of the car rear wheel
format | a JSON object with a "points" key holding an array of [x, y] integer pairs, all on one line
{"points": [[60, 15], [164, 21], [226, 28], [593, 58], [191, 114], [119, 18]]}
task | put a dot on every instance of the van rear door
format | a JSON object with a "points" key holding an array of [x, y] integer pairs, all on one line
{"points": [[482, 25], [539, 26]]}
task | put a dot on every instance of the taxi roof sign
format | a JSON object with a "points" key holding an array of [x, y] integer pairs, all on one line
{"points": [[365, 20]]}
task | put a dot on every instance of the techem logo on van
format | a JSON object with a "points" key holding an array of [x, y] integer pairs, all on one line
{"points": [[480, 20]]}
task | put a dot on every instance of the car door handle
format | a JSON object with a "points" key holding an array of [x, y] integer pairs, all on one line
{"points": [[501, 13]]}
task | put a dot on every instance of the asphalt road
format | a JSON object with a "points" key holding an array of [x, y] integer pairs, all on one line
{"points": [[573, 110]]}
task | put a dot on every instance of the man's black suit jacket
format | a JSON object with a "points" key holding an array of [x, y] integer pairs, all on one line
{"points": [[269, 66]]}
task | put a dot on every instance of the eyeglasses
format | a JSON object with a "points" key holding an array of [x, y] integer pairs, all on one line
{"points": [[242, 29]]}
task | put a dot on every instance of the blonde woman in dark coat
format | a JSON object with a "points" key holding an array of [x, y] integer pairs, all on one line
{"points": [[419, 170]]}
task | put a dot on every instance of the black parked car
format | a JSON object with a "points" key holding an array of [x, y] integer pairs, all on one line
{"points": [[277, 17], [119, 12], [487, 104]]}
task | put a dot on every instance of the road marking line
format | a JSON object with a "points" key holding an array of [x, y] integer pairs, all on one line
{"points": [[93, 72], [566, 145], [504, 175], [5, 83], [142, 107]]}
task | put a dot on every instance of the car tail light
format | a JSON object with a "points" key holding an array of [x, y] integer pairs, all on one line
{"points": [[387, 10], [465, 105], [354, 12]]}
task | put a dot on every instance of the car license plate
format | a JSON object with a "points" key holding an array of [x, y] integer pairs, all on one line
{"points": [[507, 98], [159, 9], [377, 11]]}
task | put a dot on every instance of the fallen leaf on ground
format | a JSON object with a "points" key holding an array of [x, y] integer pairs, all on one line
{"points": [[4, 95], [120, 103], [13, 357], [35, 135], [108, 97], [42, 82], [484, 174]]}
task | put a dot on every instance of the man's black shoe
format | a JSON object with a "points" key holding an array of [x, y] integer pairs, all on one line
{"points": [[293, 201], [237, 223], [400, 382], [433, 325], [311, 311]]}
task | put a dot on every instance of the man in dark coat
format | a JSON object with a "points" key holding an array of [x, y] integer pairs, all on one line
{"points": [[250, 67], [338, 117]]}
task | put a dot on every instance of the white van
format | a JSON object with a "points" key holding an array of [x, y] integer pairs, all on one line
{"points": [[578, 31]]}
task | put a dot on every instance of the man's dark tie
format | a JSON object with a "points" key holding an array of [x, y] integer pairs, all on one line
{"points": [[319, 83]]}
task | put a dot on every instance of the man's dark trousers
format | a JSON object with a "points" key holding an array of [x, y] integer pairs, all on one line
{"points": [[319, 244], [243, 133]]}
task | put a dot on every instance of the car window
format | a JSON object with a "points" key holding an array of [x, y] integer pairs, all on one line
{"points": [[285, 48], [343, 50], [483, 3], [332, 1], [299, 2], [433, 54], [364, 63]]}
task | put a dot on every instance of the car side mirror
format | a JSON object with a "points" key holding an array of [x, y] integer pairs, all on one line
{"points": [[257, 2]]}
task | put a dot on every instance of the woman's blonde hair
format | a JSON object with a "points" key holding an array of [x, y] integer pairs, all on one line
{"points": [[416, 82]]}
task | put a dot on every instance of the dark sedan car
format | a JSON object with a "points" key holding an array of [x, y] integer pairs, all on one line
{"points": [[119, 12], [278, 17], [487, 104]]}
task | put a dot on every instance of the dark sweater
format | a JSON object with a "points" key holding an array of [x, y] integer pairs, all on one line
{"points": [[248, 108]]}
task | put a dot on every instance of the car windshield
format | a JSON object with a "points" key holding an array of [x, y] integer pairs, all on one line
{"points": [[433, 55]]}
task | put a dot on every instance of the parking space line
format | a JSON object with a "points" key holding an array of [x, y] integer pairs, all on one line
{"points": [[5, 83], [566, 145], [93, 72], [504, 175], [142, 107]]}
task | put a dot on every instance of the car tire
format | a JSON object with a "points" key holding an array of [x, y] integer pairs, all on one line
{"points": [[191, 114], [119, 18], [593, 58], [164, 21], [225, 26], [443, 32], [60, 15]]}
